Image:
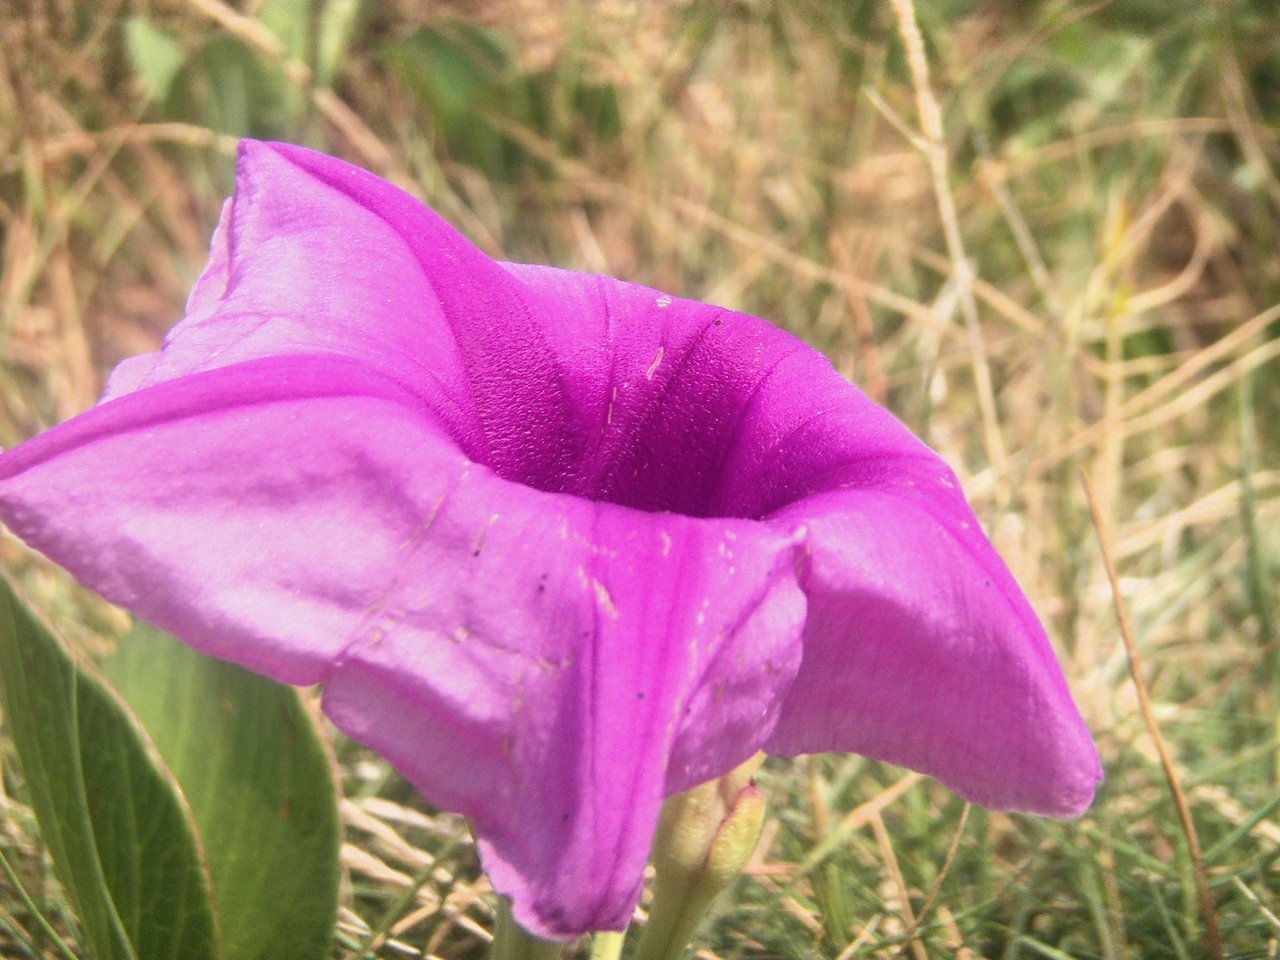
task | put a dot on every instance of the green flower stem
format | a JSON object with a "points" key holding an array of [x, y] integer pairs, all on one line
{"points": [[673, 920], [512, 942], [607, 945], [705, 837]]}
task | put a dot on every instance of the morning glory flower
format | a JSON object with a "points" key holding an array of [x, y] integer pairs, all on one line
{"points": [[557, 546]]}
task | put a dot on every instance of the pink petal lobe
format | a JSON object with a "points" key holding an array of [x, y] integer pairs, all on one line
{"points": [[314, 256], [548, 666], [920, 649], [252, 510], [282, 279], [563, 667]]}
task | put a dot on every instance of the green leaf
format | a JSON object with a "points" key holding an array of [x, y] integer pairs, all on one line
{"points": [[244, 94], [156, 57], [452, 69], [339, 21], [260, 783], [290, 21], [122, 841], [460, 74], [230, 76]]}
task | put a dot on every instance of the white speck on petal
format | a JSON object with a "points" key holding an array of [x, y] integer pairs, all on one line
{"points": [[666, 542], [604, 599], [657, 361], [421, 532], [478, 546], [663, 302]]}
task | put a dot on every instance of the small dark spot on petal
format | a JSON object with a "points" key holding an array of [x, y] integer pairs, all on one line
{"points": [[986, 582], [639, 694], [717, 322]]}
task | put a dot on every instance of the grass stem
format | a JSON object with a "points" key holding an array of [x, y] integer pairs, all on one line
{"points": [[935, 148], [1208, 911], [45, 927]]}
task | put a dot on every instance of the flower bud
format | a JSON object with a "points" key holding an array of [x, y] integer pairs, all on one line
{"points": [[705, 837]]}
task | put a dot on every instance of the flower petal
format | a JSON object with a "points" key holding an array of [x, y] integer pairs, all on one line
{"points": [[282, 279], [315, 256], [920, 648], [549, 666], [673, 384], [243, 509], [563, 381], [556, 687]]}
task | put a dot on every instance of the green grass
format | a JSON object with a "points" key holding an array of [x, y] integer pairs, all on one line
{"points": [[1115, 170]]}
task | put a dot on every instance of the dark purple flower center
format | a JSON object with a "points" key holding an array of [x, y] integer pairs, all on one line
{"points": [[699, 431]]}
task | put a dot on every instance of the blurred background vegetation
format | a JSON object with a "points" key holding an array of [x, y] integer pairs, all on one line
{"points": [[1101, 293]]}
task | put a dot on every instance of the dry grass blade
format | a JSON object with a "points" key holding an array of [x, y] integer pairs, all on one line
{"points": [[1150, 407], [1252, 897], [952, 849], [899, 882], [1212, 937], [963, 273], [855, 819]]}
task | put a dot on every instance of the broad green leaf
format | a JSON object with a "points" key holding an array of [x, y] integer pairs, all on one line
{"points": [[156, 57], [260, 783], [121, 839]]}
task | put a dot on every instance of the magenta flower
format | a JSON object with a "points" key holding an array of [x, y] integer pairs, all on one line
{"points": [[556, 545]]}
